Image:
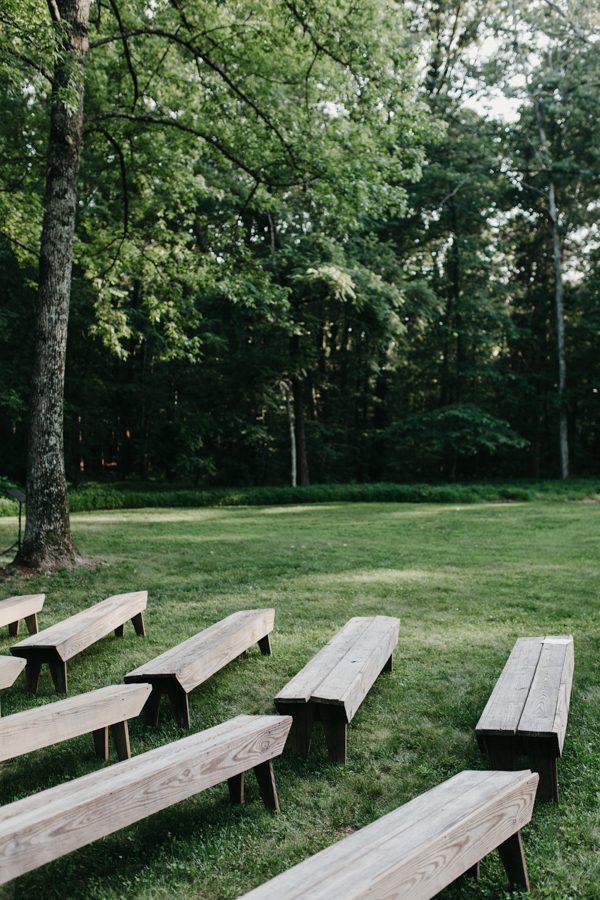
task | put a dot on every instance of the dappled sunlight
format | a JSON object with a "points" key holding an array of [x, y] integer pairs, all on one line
{"points": [[379, 576], [150, 516], [306, 507]]}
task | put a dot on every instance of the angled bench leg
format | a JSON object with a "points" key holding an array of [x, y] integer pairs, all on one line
{"points": [[13, 628], [266, 784], [58, 671], [303, 716], [389, 666], [32, 623], [138, 623], [120, 736], [101, 743], [513, 860], [336, 730], [542, 759], [120, 631], [152, 706], [501, 751], [32, 674], [180, 703], [264, 644], [236, 788]]}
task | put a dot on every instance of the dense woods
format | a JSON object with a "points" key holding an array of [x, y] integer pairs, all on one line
{"points": [[314, 241]]}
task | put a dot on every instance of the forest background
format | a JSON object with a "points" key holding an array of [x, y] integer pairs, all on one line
{"points": [[321, 242]]}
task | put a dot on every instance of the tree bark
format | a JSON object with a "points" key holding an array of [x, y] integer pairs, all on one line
{"points": [[47, 542], [303, 476]]}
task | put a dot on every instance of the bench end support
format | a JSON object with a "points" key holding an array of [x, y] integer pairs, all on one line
{"points": [[513, 860]]}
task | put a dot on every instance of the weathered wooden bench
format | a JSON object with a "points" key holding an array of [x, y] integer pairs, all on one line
{"points": [[95, 712], [59, 643], [334, 683], [182, 668], [420, 848], [47, 825], [26, 607], [528, 709], [10, 669]]}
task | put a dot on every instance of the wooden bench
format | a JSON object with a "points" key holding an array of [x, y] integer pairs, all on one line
{"points": [[59, 643], [182, 668], [421, 847], [528, 709], [47, 825], [93, 712], [10, 669], [335, 682], [26, 606]]}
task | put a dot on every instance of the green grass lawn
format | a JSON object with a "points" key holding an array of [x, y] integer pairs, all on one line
{"points": [[465, 582]]}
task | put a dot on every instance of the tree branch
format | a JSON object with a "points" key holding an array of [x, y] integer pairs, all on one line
{"points": [[19, 243], [128, 59]]}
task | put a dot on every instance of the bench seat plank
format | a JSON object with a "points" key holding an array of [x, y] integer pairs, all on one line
{"points": [[418, 849], [10, 669], [528, 709], [187, 665], [45, 826], [46, 725], [24, 606]]}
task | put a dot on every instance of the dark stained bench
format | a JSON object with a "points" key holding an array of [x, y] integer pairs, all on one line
{"points": [[182, 668], [59, 643], [45, 826], [333, 684], [25, 606], [528, 709], [95, 712], [421, 847], [10, 669]]}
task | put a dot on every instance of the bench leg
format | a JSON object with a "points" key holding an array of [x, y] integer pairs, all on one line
{"points": [[473, 872], [180, 703], [32, 674], [120, 736], [513, 860], [264, 644], [13, 628], [101, 743], [120, 631], [389, 666], [58, 671], [542, 759], [336, 731], [266, 785], [138, 623], [303, 717], [32, 623], [236, 789], [152, 707], [501, 751]]}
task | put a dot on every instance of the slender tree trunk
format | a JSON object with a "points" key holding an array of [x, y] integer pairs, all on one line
{"points": [[47, 542], [290, 415], [559, 318], [302, 464]]}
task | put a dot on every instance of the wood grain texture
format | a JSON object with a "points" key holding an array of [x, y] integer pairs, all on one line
{"points": [[80, 631], [43, 827], [194, 661], [47, 725], [10, 668], [14, 608], [546, 710], [420, 848], [503, 710]]}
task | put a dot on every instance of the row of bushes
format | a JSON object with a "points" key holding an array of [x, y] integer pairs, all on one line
{"points": [[124, 496]]}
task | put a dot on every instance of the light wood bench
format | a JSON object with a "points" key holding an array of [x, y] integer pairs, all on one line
{"points": [[182, 668], [26, 606], [93, 712], [421, 847], [10, 669], [59, 643], [337, 679], [528, 709], [45, 826]]}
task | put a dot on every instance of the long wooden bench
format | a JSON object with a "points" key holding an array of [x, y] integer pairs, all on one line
{"points": [[528, 709], [421, 847], [182, 668], [59, 643], [25, 606], [10, 669], [95, 712], [333, 684], [45, 826]]}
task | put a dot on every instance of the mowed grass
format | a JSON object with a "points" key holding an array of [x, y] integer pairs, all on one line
{"points": [[465, 583]]}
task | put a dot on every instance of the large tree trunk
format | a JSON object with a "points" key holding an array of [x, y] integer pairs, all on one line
{"points": [[47, 542]]}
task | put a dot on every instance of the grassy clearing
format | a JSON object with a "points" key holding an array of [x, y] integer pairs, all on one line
{"points": [[465, 583]]}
